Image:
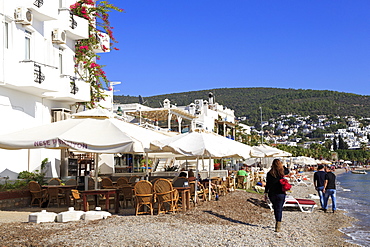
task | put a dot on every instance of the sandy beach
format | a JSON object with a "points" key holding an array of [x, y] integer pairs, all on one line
{"points": [[237, 219]]}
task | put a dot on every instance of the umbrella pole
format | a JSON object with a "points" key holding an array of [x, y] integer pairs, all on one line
{"points": [[146, 166], [196, 182], [209, 178], [96, 170]]}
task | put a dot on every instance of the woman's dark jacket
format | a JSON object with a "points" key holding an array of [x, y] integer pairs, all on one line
{"points": [[273, 185]]}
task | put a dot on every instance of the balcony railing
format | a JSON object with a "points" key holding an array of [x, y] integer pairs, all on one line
{"points": [[42, 10], [75, 26], [73, 22], [39, 76], [38, 3], [74, 88]]}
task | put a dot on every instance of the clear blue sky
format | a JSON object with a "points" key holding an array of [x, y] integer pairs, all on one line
{"points": [[170, 46]]}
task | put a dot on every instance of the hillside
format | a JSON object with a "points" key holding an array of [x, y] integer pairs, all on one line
{"points": [[274, 102]]}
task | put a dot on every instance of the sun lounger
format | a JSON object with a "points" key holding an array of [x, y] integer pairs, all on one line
{"points": [[259, 189], [300, 181], [305, 205]]}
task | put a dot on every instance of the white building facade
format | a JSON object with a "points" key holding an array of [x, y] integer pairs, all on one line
{"points": [[202, 115], [38, 83]]}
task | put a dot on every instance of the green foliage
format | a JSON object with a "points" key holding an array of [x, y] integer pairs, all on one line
{"points": [[37, 175], [274, 102], [317, 134], [318, 151], [342, 144], [335, 145], [357, 155], [16, 185], [97, 14], [170, 168]]}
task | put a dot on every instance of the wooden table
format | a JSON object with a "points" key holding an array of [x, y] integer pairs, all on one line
{"points": [[66, 190], [185, 195], [106, 193]]}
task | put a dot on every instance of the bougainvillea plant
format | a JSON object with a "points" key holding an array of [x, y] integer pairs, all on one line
{"points": [[86, 66]]}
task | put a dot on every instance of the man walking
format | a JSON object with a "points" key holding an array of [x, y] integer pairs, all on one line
{"points": [[319, 181], [330, 190]]}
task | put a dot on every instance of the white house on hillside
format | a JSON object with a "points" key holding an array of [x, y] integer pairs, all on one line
{"points": [[201, 115]]}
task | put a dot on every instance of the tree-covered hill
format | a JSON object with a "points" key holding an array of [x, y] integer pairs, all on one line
{"points": [[274, 102]]}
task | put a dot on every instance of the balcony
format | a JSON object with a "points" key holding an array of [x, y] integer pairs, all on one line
{"points": [[70, 90], [65, 4], [33, 78], [104, 43], [76, 27], [43, 10]]}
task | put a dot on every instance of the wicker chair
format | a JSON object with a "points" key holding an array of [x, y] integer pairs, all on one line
{"points": [[219, 185], [54, 195], [133, 179], [106, 183], [179, 182], [37, 193], [76, 197], [165, 194], [208, 192], [230, 184], [71, 182], [144, 197], [122, 181], [200, 192], [54, 181], [241, 182], [127, 195]]}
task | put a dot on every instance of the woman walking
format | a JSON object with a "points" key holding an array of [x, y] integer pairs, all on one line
{"points": [[274, 190]]}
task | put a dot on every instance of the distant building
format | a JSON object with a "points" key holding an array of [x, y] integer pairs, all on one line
{"points": [[202, 115]]}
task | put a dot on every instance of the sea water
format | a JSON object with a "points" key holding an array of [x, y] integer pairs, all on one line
{"points": [[353, 196]]}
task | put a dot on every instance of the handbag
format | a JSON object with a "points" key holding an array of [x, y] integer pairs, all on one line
{"points": [[285, 185]]}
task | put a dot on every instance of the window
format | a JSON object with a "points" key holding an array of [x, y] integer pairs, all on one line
{"points": [[27, 48], [6, 41]]}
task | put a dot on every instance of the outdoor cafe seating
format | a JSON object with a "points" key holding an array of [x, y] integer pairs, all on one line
{"points": [[166, 196], [54, 195], [106, 183], [126, 195], [144, 197], [38, 194], [54, 181], [121, 181]]}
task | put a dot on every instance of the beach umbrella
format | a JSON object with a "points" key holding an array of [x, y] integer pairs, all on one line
{"points": [[303, 160], [85, 135], [263, 150], [94, 131], [202, 145], [324, 162]]}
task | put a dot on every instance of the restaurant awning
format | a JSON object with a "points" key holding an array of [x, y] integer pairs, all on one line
{"points": [[161, 114]]}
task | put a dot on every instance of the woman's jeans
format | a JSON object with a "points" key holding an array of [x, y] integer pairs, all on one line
{"points": [[332, 193], [277, 203]]}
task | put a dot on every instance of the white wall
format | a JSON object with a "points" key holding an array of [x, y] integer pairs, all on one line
{"points": [[25, 103]]}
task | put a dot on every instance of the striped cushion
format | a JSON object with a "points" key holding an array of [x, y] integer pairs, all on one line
{"points": [[302, 202]]}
